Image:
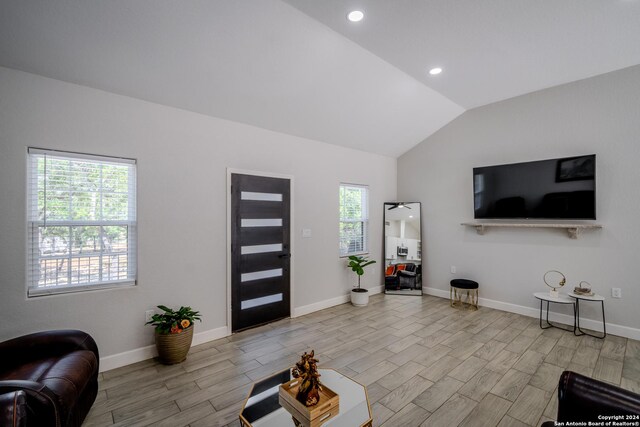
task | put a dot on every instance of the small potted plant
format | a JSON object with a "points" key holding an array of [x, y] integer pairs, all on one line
{"points": [[359, 296], [174, 333]]}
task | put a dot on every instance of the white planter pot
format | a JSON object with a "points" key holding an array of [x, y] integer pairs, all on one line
{"points": [[359, 299]]}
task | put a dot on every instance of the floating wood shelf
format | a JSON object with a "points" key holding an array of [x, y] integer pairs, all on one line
{"points": [[574, 230]]}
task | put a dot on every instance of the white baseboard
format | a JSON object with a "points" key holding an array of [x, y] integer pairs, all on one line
{"points": [[595, 325], [143, 353], [321, 305], [376, 290], [114, 361], [211, 335], [139, 354]]}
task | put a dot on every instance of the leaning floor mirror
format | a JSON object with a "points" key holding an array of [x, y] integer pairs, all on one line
{"points": [[402, 248]]}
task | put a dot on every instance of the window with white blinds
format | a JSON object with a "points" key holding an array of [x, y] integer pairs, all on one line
{"points": [[81, 219], [354, 219]]}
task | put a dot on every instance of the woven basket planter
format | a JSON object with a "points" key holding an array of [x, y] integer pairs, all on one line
{"points": [[173, 348]]}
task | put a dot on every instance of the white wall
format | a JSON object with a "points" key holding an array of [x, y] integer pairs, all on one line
{"points": [[411, 231], [599, 115], [182, 160]]}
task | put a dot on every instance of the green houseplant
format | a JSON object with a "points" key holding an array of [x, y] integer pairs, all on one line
{"points": [[357, 263], [174, 333]]}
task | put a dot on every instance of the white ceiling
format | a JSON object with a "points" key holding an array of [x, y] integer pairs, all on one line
{"points": [[398, 214], [491, 50], [313, 74], [260, 62]]}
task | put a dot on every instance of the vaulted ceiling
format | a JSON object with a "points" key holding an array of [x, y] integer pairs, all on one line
{"points": [[299, 67], [491, 50]]}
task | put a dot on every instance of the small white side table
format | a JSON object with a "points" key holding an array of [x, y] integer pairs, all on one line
{"points": [[595, 297], [560, 299]]}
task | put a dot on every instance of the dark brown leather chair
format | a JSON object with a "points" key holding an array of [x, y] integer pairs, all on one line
{"points": [[13, 409], [404, 278], [409, 278], [48, 378], [584, 399]]}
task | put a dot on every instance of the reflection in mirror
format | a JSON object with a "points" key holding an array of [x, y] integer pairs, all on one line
{"points": [[403, 248]]}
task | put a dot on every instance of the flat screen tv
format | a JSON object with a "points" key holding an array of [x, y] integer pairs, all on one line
{"points": [[545, 189]]}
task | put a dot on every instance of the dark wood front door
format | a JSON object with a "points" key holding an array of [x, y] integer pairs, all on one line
{"points": [[260, 250]]}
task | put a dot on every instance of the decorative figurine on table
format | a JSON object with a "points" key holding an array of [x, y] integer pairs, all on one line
{"points": [[307, 371], [583, 288], [561, 282]]}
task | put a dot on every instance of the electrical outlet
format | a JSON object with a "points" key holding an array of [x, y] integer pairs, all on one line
{"points": [[148, 315], [616, 292], [453, 269]]}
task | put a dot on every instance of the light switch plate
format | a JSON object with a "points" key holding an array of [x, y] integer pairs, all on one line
{"points": [[306, 232]]}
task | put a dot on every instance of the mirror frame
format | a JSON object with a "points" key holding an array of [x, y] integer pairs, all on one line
{"points": [[413, 292]]}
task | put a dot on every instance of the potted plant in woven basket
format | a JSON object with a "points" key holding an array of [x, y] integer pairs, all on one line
{"points": [[174, 333]]}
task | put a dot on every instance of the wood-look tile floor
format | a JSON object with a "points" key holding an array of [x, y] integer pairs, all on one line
{"points": [[423, 362]]}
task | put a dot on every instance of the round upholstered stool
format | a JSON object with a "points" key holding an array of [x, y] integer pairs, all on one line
{"points": [[458, 287]]}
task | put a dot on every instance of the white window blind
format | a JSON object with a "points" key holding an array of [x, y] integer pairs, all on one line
{"points": [[81, 219], [354, 219]]}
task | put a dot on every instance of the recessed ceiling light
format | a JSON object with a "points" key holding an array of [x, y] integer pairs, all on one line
{"points": [[435, 71], [410, 216], [355, 16]]}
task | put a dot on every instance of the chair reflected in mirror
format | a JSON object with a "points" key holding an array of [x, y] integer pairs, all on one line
{"points": [[403, 248]]}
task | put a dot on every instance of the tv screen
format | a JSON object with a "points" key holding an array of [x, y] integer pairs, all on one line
{"points": [[545, 189]]}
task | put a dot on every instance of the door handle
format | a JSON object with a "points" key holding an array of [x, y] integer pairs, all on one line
{"points": [[285, 255]]}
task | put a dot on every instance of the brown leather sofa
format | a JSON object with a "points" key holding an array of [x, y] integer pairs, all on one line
{"points": [[48, 379], [584, 399]]}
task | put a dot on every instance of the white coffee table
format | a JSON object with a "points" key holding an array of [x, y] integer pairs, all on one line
{"points": [[560, 299], [262, 408], [594, 297]]}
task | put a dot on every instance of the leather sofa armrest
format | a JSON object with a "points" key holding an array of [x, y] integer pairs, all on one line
{"points": [[13, 409], [582, 398], [45, 344], [407, 273], [39, 400]]}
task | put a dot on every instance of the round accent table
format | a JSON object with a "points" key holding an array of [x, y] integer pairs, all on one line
{"points": [[594, 297], [560, 299]]}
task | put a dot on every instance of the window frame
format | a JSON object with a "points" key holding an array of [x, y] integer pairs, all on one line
{"points": [[32, 226], [364, 220]]}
